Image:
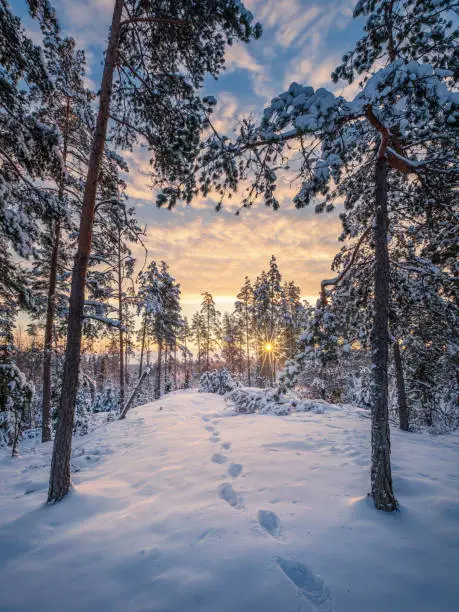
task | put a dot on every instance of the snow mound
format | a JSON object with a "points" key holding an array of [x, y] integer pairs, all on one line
{"points": [[266, 401]]}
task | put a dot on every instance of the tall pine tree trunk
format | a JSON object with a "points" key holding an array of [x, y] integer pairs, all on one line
{"points": [[403, 411], [208, 341], [142, 346], [165, 367], [381, 477], [175, 366], [248, 347], [158, 371], [59, 484], [46, 427], [121, 329], [185, 386]]}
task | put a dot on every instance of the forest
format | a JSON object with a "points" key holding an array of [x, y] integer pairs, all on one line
{"points": [[91, 331]]}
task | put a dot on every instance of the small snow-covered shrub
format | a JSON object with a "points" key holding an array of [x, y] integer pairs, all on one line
{"points": [[248, 400], [16, 394], [83, 405], [358, 387], [107, 400], [217, 381]]}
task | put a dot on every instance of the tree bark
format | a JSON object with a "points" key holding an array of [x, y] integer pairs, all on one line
{"points": [[158, 371], [142, 346], [247, 344], [381, 477], [121, 330], [403, 411], [46, 426], [124, 409], [59, 483], [126, 359], [175, 366], [208, 341], [185, 386]]}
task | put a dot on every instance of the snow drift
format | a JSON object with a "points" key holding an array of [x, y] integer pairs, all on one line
{"points": [[185, 506]]}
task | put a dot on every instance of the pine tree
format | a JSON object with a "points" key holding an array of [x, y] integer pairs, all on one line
{"points": [[28, 148], [232, 342], [189, 39], [69, 109], [149, 306], [198, 330], [185, 335], [243, 309], [211, 317], [112, 263], [408, 108]]}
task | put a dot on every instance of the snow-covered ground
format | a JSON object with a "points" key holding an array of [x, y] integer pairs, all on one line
{"points": [[190, 507]]}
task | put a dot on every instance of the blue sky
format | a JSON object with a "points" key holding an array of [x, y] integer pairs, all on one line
{"points": [[302, 41]]}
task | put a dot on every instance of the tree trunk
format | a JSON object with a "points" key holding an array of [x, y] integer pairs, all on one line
{"points": [[142, 346], [126, 359], [121, 330], [381, 478], [46, 426], [175, 366], [158, 371], [403, 411], [248, 346], [165, 367], [125, 408], [208, 342], [59, 483]]}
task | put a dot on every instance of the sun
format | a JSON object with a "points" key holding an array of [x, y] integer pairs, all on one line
{"points": [[268, 347]]}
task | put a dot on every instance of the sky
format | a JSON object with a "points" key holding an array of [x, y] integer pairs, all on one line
{"points": [[302, 41]]}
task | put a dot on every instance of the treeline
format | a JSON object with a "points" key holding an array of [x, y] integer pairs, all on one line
{"points": [[148, 330], [258, 336]]}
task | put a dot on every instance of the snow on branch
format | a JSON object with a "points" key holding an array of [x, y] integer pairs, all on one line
{"points": [[334, 281], [106, 320]]}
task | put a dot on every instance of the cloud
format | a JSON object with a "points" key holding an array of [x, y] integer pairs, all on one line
{"points": [[286, 19], [215, 251], [229, 109], [238, 57], [311, 72], [87, 20]]}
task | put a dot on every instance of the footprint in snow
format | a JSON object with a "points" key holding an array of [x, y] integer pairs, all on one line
{"points": [[227, 493], [218, 458], [234, 469], [209, 533], [210, 428], [270, 522], [214, 438], [205, 419], [226, 445], [311, 586]]}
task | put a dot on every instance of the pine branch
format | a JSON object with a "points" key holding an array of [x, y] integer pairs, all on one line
{"points": [[337, 279]]}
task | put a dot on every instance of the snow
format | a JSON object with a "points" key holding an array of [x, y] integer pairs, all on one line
{"points": [[156, 523]]}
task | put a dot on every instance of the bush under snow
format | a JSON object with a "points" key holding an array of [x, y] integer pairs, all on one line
{"points": [[217, 381], [267, 401]]}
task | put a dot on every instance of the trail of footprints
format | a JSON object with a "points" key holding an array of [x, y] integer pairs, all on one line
{"points": [[308, 584]]}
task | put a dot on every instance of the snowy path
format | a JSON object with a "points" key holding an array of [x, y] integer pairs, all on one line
{"points": [[190, 508]]}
